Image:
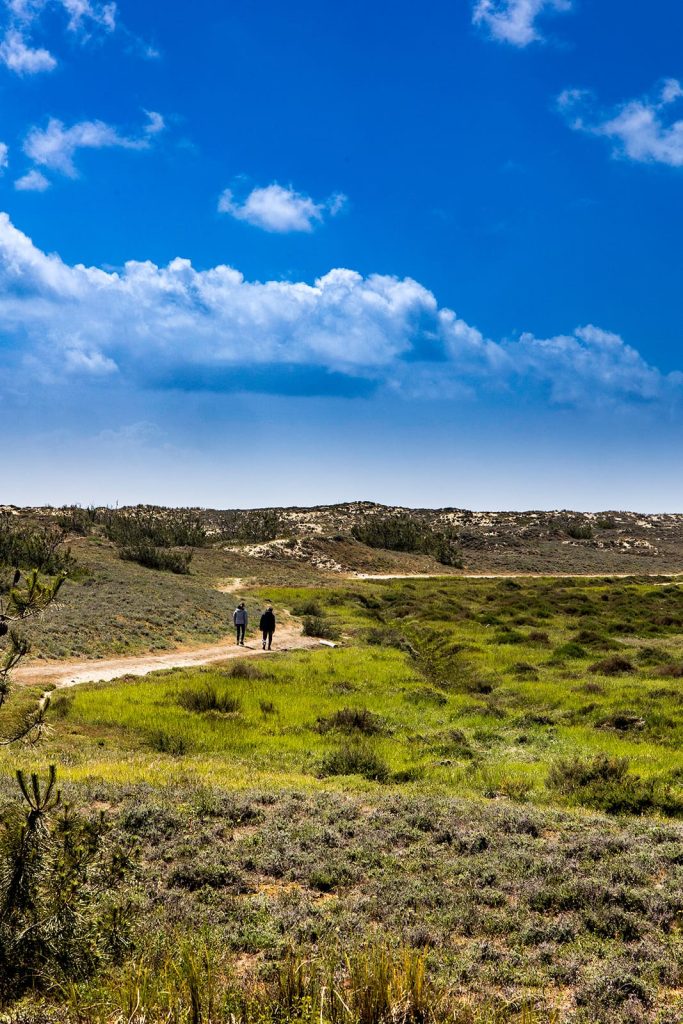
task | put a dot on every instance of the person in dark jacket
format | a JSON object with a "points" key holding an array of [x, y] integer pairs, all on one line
{"points": [[267, 626], [240, 617]]}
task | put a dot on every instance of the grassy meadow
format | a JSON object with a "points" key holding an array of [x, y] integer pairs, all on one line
{"points": [[470, 810]]}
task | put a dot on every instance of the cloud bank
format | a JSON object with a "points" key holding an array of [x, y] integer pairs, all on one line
{"points": [[515, 21], [175, 326], [641, 130]]}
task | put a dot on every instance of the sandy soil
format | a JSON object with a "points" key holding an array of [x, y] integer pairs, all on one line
{"points": [[71, 673]]}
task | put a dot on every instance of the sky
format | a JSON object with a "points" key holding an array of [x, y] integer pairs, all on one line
{"points": [[264, 254]]}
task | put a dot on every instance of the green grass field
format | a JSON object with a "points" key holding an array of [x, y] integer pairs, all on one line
{"points": [[481, 787]]}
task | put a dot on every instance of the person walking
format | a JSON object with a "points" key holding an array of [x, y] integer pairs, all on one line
{"points": [[267, 626], [240, 617]]}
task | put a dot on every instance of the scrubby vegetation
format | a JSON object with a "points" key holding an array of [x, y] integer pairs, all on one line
{"points": [[402, 532], [470, 812]]}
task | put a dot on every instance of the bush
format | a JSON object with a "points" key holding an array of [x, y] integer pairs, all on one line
{"points": [[319, 626], [614, 666], [150, 557], [250, 525], [579, 530], [209, 699], [405, 533], [55, 880], [157, 528], [26, 546], [352, 720], [605, 783], [355, 759], [308, 608]]}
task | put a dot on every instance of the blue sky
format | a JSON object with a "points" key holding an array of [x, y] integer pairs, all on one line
{"points": [[256, 253]]}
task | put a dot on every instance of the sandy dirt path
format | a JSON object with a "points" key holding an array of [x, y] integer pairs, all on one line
{"points": [[71, 673], [513, 576]]}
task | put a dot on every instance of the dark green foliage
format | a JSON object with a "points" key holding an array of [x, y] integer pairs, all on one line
{"points": [[53, 877], [355, 759], [144, 553], [199, 875], [250, 525], [606, 523], [308, 608], [405, 533], [613, 666], [321, 627], [81, 521], [30, 546], [605, 783], [352, 720], [209, 698], [160, 528], [579, 530]]}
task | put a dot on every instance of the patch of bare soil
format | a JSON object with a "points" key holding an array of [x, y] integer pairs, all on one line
{"points": [[71, 673]]}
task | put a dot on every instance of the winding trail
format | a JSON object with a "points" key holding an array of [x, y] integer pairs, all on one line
{"points": [[70, 673]]}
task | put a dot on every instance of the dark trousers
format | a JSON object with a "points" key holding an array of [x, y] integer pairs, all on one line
{"points": [[240, 633], [268, 637]]}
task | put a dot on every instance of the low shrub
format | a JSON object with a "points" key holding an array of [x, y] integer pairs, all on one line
{"points": [[669, 671], [243, 669], [320, 627], [352, 720], [355, 759], [308, 608], [613, 666], [579, 530], [209, 698], [605, 783], [569, 650], [151, 557], [194, 876]]}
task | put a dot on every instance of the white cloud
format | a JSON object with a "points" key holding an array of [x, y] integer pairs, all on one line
{"points": [[56, 146], [514, 21], [4, 156], [34, 181], [641, 130], [23, 59], [169, 326], [279, 209]]}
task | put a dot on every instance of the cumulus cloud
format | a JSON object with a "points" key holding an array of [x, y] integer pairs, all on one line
{"points": [[4, 156], [56, 145], [33, 181], [23, 59], [175, 326], [514, 21], [279, 209], [642, 130]]}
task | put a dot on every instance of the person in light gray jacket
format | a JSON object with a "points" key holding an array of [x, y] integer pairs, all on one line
{"points": [[240, 617]]}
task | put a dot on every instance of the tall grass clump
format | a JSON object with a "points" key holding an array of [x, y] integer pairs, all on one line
{"points": [[209, 698], [355, 759], [150, 557], [605, 783]]}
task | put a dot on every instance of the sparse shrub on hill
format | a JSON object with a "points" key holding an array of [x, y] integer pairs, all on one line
{"points": [[579, 530], [254, 526], [405, 533], [74, 519], [151, 557], [30, 546], [160, 528]]}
